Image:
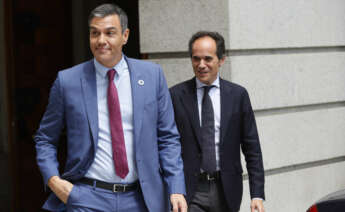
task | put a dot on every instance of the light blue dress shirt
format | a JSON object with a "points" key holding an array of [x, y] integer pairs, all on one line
{"points": [[102, 167]]}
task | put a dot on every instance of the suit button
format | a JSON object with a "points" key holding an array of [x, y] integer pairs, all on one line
{"points": [[196, 174]]}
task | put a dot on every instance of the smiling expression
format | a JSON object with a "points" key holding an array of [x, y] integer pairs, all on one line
{"points": [[205, 61], [107, 39]]}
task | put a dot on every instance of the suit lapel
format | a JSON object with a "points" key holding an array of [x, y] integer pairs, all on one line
{"points": [[225, 108], [138, 96], [190, 102], [89, 89]]}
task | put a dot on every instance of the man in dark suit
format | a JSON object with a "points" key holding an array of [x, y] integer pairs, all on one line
{"points": [[215, 120], [123, 149]]}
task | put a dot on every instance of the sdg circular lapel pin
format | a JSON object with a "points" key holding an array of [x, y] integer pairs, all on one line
{"points": [[141, 82]]}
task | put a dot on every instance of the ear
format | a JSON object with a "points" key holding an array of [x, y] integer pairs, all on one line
{"points": [[125, 36], [221, 61]]}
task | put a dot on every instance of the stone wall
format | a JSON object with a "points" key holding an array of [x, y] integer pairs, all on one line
{"points": [[290, 55]]}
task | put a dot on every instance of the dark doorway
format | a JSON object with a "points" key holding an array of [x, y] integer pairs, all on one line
{"points": [[40, 43], [131, 8]]}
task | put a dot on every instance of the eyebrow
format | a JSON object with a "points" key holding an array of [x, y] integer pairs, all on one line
{"points": [[109, 28], [204, 57]]}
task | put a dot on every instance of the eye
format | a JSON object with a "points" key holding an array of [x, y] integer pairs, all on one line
{"points": [[195, 59], [94, 33], [208, 59], [111, 33]]}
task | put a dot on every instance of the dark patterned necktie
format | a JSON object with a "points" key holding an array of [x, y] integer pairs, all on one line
{"points": [[208, 162], [116, 130]]}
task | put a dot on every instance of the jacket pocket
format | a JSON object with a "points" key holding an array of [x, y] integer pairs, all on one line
{"points": [[73, 195]]}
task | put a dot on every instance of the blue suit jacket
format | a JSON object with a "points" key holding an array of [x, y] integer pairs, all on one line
{"points": [[73, 105]]}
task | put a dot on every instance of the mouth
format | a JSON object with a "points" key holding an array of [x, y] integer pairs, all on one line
{"points": [[102, 50], [203, 72]]}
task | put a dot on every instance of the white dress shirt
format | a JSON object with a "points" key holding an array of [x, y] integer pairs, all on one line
{"points": [[214, 94], [102, 167]]}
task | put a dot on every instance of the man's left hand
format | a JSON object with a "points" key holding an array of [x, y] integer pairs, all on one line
{"points": [[257, 205], [178, 203]]}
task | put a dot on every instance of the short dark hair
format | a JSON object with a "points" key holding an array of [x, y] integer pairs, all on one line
{"points": [[218, 38], [110, 9]]}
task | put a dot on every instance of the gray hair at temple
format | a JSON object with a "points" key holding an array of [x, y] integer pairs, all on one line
{"points": [[110, 9]]}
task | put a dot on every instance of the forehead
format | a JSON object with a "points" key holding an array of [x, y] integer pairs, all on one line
{"points": [[110, 21], [205, 45]]}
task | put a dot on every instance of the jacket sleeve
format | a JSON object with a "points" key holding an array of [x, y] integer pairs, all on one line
{"points": [[251, 149], [47, 136], [168, 141]]}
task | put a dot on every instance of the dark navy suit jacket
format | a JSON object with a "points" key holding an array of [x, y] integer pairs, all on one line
{"points": [[237, 130], [73, 105]]}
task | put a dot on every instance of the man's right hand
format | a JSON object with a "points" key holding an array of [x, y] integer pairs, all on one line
{"points": [[61, 188]]}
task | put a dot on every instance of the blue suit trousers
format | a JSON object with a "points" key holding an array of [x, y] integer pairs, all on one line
{"points": [[85, 198]]}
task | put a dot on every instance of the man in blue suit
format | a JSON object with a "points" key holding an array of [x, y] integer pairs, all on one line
{"points": [[123, 149]]}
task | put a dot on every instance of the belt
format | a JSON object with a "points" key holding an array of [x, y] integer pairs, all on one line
{"points": [[215, 176], [110, 186]]}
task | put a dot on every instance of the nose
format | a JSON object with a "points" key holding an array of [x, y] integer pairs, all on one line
{"points": [[202, 64], [101, 39]]}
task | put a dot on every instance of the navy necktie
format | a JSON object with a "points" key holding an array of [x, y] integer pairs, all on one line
{"points": [[208, 163], [116, 130]]}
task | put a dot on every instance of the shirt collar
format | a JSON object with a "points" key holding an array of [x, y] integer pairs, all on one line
{"points": [[120, 67], [200, 84]]}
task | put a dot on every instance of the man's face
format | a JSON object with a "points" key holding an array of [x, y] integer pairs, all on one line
{"points": [[107, 39], [205, 61]]}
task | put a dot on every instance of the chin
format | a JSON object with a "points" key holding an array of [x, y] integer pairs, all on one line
{"points": [[203, 80], [103, 58]]}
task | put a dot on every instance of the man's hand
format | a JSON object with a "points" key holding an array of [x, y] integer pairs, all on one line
{"points": [[178, 203], [257, 205], [61, 188]]}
